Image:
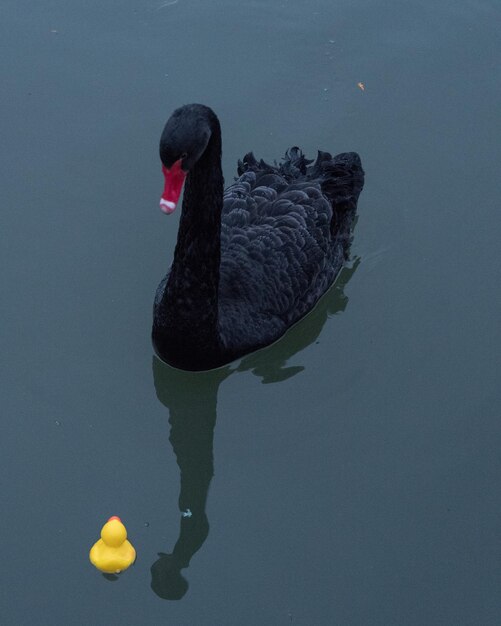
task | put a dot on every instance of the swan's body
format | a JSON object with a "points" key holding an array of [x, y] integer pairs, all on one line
{"points": [[251, 262]]}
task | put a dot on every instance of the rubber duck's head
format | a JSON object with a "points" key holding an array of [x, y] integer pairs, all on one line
{"points": [[113, 532]]}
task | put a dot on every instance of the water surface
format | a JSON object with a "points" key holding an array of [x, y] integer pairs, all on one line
{"points": [[347, 475]]}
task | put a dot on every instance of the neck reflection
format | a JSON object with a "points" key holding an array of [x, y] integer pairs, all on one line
{"points": [[191, 400]]}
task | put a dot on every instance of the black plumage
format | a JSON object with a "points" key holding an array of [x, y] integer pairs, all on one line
{"points": [[253, 260]]}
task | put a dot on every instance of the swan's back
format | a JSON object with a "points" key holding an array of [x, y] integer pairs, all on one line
{"points": [[285, 232]]}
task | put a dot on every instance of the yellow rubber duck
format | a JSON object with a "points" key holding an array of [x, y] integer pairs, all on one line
{"points": [[112, 553]]}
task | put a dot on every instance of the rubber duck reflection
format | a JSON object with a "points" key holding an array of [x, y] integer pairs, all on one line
{"points": [[192, 402]]}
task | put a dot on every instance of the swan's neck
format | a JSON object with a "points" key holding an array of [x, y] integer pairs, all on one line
{"points": [[190, 302]]}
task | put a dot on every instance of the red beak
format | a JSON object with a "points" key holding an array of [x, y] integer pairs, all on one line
{"points": [[174, 179]]}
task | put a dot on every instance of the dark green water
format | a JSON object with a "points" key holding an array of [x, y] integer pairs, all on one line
{"points": [[356, 463]]}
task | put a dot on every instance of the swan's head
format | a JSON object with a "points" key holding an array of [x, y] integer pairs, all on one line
{"points": [[183, 141]]}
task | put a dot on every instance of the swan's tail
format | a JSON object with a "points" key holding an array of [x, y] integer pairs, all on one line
{"points": [[342, 181]]}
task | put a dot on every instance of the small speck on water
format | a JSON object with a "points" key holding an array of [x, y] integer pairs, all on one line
{"points": [[146, 524], [57, 422], [169, 3]]}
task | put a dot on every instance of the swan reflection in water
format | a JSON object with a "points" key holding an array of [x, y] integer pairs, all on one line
{"points": [[192, 402]]}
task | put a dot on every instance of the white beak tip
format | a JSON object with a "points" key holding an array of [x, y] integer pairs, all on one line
{"points": [[167, 206]]}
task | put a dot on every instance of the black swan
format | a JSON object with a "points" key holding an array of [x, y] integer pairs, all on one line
{"points": [[254, 259]]}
